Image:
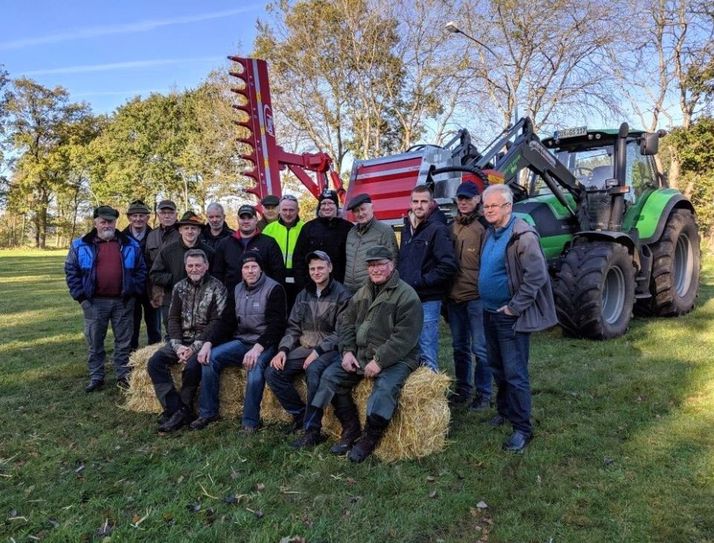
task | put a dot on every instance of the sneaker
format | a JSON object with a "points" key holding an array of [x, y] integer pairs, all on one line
{"points": [[164, 417], [175, 422], [94, 385], [248, 430], [517, 442], [496, 421], [311, 438], [201, 422], [480, 404]]}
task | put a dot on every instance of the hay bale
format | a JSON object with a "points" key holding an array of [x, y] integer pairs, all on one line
{"points": [[418, 428]]}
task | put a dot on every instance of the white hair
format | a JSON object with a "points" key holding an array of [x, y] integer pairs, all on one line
{"points": [[503, 190], [215, 205]]}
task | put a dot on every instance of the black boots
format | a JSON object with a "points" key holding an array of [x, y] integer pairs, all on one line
{"points": [[346, 413], [373, 432]]}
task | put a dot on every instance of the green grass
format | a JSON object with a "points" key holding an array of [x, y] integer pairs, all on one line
{"points": [[624, 448]]}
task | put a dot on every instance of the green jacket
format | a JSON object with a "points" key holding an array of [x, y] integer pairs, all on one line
{"points": [[383, 322], [361, 238], [286, 238]]}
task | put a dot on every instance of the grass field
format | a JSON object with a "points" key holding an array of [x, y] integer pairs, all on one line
{"points": [[624, 448]]}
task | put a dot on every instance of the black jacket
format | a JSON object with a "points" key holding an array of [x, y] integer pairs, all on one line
{"points": [[227, 261], [213, 241], [323, 234], [426, 257]]}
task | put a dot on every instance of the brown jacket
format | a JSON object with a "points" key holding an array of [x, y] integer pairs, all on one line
{"points": [[467, 233]]}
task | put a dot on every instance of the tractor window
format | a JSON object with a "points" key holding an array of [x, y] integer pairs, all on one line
{"points": [[640, 171], [591, 167]]}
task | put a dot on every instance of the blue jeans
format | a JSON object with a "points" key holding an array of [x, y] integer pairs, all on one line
{"points": [[98, 313], [508, 359], [429, 338], [231, 354], [467, 340]]}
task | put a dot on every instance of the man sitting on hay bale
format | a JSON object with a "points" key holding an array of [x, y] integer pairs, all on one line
{"points": [[310, 342], [255, 320], [378, 339], [197, 304]]}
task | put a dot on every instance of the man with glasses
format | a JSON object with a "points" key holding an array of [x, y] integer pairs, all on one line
{"points": [[285, 231], [328, 232], [427, 263], [464, 304], [229, 253], [517, 300], [378, 339]]}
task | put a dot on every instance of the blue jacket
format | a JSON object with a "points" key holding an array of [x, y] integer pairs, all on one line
{"points": [[427, 261], [80, 267]]}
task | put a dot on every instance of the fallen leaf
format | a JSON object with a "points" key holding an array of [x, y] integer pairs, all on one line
{"points": [[259, 487], [432, 494], [430, 479], [293, 539], [482, 505], [193, 507], [53, 522]]}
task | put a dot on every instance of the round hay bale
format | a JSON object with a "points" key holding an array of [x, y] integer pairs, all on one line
{"points": [[420, 423]]}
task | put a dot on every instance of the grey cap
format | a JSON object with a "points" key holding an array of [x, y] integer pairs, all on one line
{"points": [[358, 200], [320, 255], [378, 252], [166, 204], [138, 207]]}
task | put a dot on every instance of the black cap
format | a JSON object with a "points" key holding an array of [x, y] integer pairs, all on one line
{"points": [[270, 200], [252, 256], [358, 200], [246, 210], [166, 204], [468, 189], [328, 194], [320, 255], [106, 212], [378, 252], [137, 206], [190, 219]]}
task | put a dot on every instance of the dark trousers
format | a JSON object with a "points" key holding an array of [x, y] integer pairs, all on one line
{"points": [[160, 373], [282, 382], [152, 319], [508, 359], [382, 401], [99, 313]]}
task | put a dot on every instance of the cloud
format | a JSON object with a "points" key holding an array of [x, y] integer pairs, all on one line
{"points": [[127, 28], [112, 66]]}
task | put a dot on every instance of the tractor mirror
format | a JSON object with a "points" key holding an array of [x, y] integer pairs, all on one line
{"points": [[649, 144]]}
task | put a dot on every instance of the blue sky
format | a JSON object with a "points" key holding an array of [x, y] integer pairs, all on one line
{"points": [[107, 52]]}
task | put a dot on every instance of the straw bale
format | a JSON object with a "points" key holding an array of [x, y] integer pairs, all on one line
{"points": [[418, 428]]}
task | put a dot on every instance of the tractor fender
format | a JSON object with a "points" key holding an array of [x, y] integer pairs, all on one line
{"points": [[655, 211], [607, 235]]}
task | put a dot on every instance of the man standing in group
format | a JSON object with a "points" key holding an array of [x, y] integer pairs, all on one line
{"points": [[427, 263], [270, 211], [286, 231], [168, 268], [517, 300], [197, 305], [138, 214], [105, 271], [156, 240], [367, 232], [328, 232], [255, 321], [230, 251], [464, 304], [378, 339], [216, 229], [310, 341]]}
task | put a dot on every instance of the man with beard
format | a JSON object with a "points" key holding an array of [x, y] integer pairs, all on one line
{"points": [[168, 268], [138, 214], [105, 271], [327, 233], [197, 304], [216, 229]]}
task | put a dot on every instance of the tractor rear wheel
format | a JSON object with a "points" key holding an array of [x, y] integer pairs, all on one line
{"points": [[674, 282], [595, 290]]}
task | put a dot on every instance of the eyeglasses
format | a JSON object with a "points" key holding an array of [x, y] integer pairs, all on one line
{"points": [[496, 206], [289, 197]]}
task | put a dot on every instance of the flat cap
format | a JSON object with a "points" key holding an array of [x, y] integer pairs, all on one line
{"points": [[166, 204], [106, 212], [358, 200], [138, 206], [378, 252], [320, 255], [246, 210], [270, 200], [190, 219]]}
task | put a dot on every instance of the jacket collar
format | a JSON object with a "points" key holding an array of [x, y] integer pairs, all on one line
{"points": [[120, 236]]}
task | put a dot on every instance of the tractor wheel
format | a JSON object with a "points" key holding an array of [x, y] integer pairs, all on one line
{"points": [[595, 290], [674, 283]]}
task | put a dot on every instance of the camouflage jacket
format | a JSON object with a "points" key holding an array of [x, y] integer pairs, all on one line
{"points": [[196, 311]]}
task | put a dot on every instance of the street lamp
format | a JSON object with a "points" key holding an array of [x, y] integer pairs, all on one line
{"points": [[453, 28]]}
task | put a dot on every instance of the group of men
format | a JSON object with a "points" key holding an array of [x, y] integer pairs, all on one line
{"points": [[326, 299]]}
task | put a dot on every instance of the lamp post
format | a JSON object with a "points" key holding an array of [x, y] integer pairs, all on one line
{"points": [[452, 27]]}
